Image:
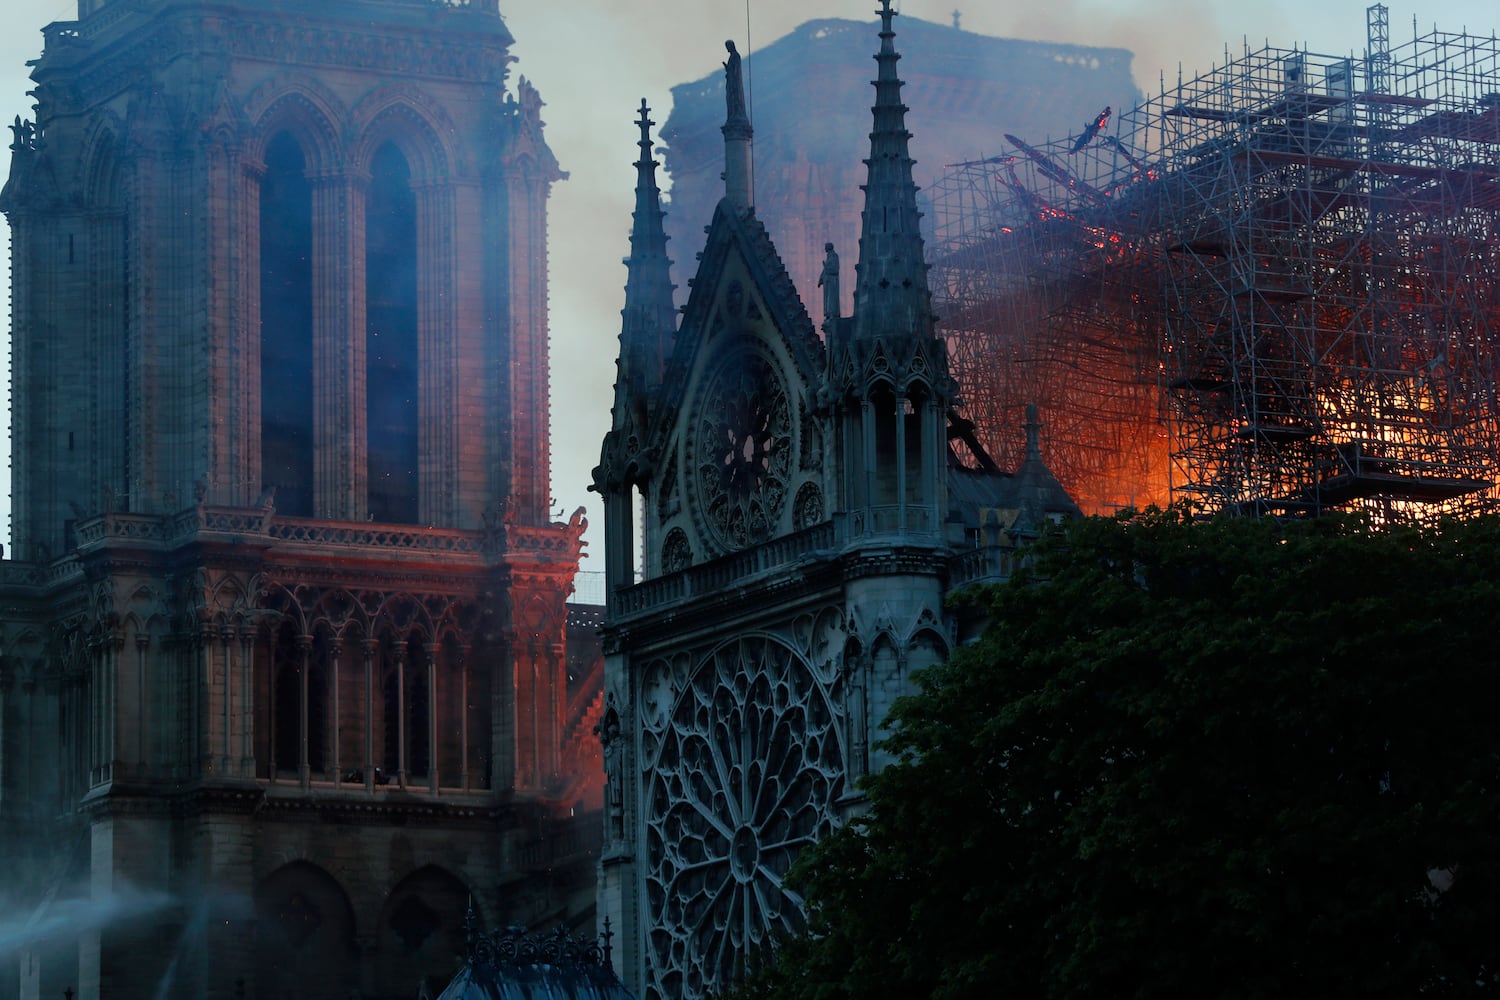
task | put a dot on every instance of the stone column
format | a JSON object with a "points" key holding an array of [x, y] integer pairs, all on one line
{"points": [[901, 401], [868, 430], [336, 653], [369, 646], [340, 472], [462, 667], [525, 280], [304, 654], [202, 695], [247, 702], [116, 648], [400, 716], [274, 668], [245, 470], [143, 705], [437, 333], [935, 450], [430, 653], [619, 544], [95, 713], [226, 749]]}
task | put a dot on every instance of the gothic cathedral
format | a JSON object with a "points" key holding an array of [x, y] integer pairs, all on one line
{"points": [[282, 678], [797, 508]]}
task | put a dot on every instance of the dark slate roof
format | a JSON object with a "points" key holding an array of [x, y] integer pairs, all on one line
{"points": [[512, 964], [1021, 503], [1037, 494], [795, 323]]}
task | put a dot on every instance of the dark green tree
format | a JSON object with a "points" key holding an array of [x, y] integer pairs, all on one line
{"points": [[1227, 758]]}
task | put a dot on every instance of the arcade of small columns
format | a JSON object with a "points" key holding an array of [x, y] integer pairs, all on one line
{"points": [[395, 699]]}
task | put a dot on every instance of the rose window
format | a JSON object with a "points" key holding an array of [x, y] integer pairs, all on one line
{"points": [[743, 451], [747, 768]]}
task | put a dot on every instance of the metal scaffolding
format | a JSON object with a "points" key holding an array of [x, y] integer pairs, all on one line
{"points": [[1291, 259], [1032, 280]]}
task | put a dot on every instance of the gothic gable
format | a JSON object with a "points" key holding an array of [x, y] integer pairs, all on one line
{"points": [[739, 439]]}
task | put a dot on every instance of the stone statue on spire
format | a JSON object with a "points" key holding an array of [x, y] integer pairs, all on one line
{"points": [[829, 282], [734, 84], [738, 186]]}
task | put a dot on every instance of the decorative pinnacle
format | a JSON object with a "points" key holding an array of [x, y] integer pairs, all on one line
{"points": [[890, 292], [649, 314], [888, 54], [1033, 427], [647, 238], [645, 123]]}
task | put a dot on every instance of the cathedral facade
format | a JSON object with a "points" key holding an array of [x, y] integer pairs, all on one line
{"points": [[785, 515], [283, 679]]}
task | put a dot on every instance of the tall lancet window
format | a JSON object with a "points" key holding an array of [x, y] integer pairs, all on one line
{"points": [[391, 313], [886, 409], [286, 355], [917, 474]]}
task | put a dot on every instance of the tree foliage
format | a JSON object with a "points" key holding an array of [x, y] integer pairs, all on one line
{"points": [[1228, 758]]}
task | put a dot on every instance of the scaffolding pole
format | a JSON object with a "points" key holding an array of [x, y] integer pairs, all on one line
{"points": [[1274, 287]]}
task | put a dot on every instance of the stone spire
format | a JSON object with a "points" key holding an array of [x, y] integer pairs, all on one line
{"points": [[890, 292], [737, 135], [649, 318]]}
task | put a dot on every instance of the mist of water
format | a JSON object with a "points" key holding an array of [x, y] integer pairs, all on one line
{"points": [[192, 937], [67, 916]]}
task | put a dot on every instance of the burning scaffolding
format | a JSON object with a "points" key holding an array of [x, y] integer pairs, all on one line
{"points": [[1274, 286]]}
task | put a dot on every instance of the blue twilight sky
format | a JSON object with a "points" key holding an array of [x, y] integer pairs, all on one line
{"points": [[593, 60]]}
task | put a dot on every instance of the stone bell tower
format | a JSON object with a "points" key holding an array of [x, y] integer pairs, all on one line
{"points": [[282, 679]]}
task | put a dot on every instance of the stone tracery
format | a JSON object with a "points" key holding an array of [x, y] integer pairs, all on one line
{"points": [[383, 688], [743, 444], [745, 773]]}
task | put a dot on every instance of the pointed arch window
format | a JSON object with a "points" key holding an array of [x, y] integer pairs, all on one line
{"points": [[300, 684], [887, 411], [914, 414], [419, 706], [286, 316], [391, 339], [286, 702]]}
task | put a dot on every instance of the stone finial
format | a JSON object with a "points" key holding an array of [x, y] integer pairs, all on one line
{"points": [[529, 102], [23, 135]]}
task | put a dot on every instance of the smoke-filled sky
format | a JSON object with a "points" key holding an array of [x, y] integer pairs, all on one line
{"points": [[593, 61]]}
